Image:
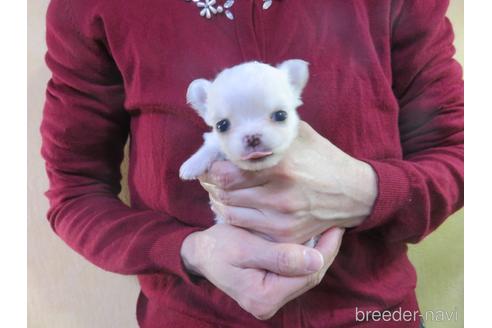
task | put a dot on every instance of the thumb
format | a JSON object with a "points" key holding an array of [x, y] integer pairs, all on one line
{"points": [[286, 259], [329, 244]]}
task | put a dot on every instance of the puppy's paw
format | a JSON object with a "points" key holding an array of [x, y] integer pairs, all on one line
{"points": [[192, 169]]}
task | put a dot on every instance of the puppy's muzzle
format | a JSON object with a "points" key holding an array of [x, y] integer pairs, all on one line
{"points": [[252, 140]]}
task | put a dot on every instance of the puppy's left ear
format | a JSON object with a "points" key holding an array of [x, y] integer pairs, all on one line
{"points": [[196, 96], [297, 72]]}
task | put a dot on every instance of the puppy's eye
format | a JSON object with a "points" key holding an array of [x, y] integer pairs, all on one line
{"points": [[279, 115], [223, 125]]}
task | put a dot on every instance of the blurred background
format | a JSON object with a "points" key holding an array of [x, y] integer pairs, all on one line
{"points": [[66, 291]]}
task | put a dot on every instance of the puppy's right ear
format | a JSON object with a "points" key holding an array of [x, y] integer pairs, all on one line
{"points": [[196, 96]]}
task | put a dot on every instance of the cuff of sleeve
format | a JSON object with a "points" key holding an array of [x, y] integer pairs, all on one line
{"points": [[166, 253], [393, 193]]}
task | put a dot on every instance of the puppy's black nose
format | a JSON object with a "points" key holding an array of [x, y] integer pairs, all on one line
{"points": [[252, 140]]}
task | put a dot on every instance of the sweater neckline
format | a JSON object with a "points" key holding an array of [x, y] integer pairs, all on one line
{"points": [[210, 8]]}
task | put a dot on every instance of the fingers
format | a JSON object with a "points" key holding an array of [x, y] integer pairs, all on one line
{"points": [[287, 200], [243, 217], [248, 218], [269, 227], [278, 227], [283, 259], [226, 175], [280, 286], [250, 197], [328, 245], [287, 288]]}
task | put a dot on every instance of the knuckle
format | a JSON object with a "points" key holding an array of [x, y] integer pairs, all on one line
{"points": [[223, 196], [264, 315], [257, 312], [236, 253], [223, 179], [286, 231], [261, 311], [259, 303], [287, 261], [287, 204], [252, 307], [282, 171], [228, 216], [246, 304]]}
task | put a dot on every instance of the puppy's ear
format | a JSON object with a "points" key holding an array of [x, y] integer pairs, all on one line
{"points": [[196, 96], [297, 72]]}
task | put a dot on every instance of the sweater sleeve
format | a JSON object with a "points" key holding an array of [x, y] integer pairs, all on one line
{"points": [[418, 192], [84, 130]]}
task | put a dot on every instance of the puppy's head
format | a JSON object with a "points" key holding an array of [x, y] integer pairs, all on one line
{"points": [[252, 109]]}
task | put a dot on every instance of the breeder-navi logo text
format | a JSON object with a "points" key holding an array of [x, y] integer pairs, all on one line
{"points": [[401, 315]]}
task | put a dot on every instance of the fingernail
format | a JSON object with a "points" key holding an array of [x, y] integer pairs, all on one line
{"points": [[313, 260]]}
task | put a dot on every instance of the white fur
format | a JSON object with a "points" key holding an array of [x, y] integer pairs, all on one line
{"points": [[247, 95], [200, 162]]}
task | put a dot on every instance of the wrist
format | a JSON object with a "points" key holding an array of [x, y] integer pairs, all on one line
{"points": [[356, 182], [334, 174], [364, 187], [188, 254]]}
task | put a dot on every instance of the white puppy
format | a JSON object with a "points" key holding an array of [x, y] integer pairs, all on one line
{"points": [[252, 110]]}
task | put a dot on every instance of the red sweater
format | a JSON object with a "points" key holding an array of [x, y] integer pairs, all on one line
{"points": [[383, 87]]}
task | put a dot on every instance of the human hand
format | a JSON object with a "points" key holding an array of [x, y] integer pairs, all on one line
{"points": [[315, 186], [259, 275]]}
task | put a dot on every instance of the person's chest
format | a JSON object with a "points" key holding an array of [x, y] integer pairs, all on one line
{"points": [[161, 46]]}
